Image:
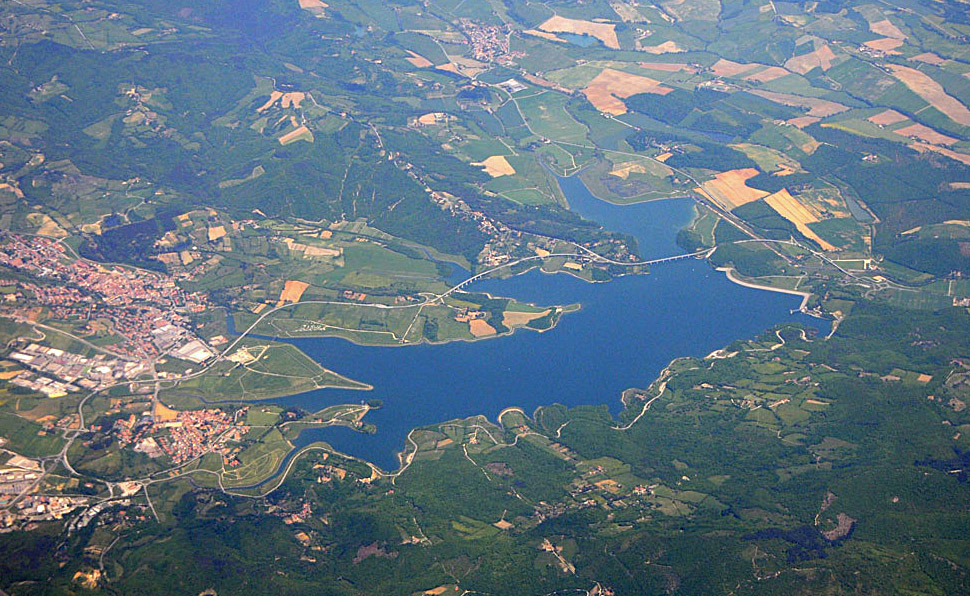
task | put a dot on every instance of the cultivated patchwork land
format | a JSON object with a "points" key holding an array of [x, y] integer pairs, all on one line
{"points": [[186, 187]]}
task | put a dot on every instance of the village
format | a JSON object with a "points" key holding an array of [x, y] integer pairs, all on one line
{"points": [[181, 435]]}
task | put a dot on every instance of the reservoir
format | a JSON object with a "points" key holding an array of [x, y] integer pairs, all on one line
{"points": [[626, 332]]}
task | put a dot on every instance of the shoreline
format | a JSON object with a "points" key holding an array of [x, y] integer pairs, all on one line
{"points": [[404, 455], [730, 272], [568, 308]]}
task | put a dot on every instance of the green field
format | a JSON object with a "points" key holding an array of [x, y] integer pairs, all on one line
{"points": [[547, 116]]}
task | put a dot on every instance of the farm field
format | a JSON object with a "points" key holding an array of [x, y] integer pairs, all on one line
{"points": [[334, 169], [792, 210], [547, 115], [610, 84], [730, 188], [924, 86], [604, 32]]}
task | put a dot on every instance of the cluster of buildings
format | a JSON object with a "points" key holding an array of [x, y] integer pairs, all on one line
{"points": [[490, 43], [18, 476], [115, 286], [183, 436], [71, 371], [36, 508], [147, 309]]}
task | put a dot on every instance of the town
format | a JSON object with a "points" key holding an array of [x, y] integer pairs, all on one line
{"points": [[147, 311]]}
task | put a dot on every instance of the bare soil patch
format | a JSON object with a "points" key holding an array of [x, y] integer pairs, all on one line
{"points": [[293, 291], [605, 32], [921, 84], [821, 57], [300, 133], [929, 58], [886, 29], [449, 67], [767, 75], [923, 147], [664, 66], [803, 121], [517, 319], [667, 47], [603, 91], [216, 232], [496, 166], [730, 188], [788, 207], [418, 60], [480, 328], [925, 133], [286, 100], [164, 413], [820, 108], [885, 44], [886, 118], [727, 68]]}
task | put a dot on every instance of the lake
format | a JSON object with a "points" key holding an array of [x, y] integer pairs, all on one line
{"points": [[626, 332]]}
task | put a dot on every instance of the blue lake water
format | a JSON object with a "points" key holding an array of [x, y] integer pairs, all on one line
{"points": [[578, 39], [626, 332]]}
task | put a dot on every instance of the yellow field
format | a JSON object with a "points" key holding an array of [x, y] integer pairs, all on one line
{"points": [[925, 133], [432, 118], [727, 68], [418, 60], [610, 84], [216, 232], [789, 208], [293, 291], [667, 47], [885, 44], [664, 66], [47, 226], [316, 7], [729, 188], [449, 67], [496, 166], [517, 319], [469, 66], [15, 190], [300, 134], [286, 100], [544, 35], [960, 157], [605, 32], [624, 170], [886, 118], [803, 121], [886, 29], [769, 160], [820, 108], [929, 58], [921, 84], [480, 328], [821, 57], [767, 75], [164, 413]]}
